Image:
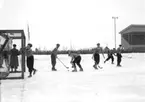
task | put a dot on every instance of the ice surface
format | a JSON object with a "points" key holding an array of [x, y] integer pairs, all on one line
{"points": [[110, 84]]}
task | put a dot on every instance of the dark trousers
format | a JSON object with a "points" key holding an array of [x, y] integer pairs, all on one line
{"points": [[53, 61], [110, 57], [30, 64], [119, 56], [77, 61], [97, 58]]}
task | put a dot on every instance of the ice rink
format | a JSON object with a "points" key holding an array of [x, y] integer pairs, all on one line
{"points": [[110, 84]]}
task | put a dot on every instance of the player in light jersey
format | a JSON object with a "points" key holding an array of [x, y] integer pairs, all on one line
{"points": [[54, 56], [30, 60], [96, 56], [75, 59], [119, 56], [110, 54]]}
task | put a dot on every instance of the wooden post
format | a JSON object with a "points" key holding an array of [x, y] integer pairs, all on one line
{"points": [[23, 55]]}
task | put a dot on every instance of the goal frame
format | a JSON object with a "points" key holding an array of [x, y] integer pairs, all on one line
{"points": [[21, 36]]}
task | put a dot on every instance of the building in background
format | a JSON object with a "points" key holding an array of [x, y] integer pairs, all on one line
{"points": [[133, 38]]}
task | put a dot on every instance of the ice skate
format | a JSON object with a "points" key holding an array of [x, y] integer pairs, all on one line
{"points": [[118, 65], [53, 69], [29, 76], [95, 66], [81, 69], [75, 70], [100, 67], [34, 71]]}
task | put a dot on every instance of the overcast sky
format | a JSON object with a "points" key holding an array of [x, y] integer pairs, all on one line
{"points": [[77, 23]]}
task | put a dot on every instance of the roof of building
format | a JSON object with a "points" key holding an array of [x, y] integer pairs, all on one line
{"points": [[133, 28]]}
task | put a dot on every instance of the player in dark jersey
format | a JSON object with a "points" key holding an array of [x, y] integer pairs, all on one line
{"points": [[96, 56], [54, 56]]}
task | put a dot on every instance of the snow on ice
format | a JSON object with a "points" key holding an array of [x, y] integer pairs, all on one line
{"points": [[110, 84]]}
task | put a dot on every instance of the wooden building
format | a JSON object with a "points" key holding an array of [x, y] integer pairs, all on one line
{"points": [[133, 38]]}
